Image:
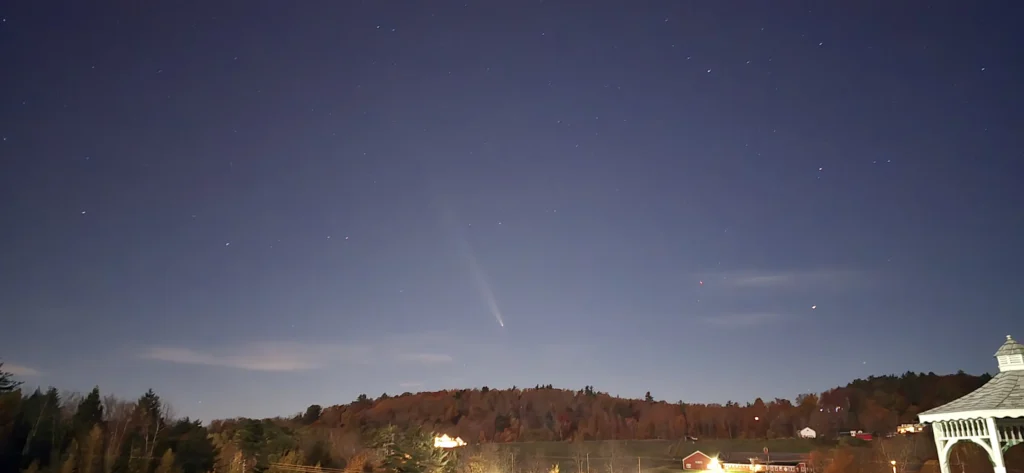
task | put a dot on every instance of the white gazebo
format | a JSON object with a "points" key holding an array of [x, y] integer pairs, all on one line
{"points": [[991, 416]]}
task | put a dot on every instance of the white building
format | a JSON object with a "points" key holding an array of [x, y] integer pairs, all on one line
{"points": [[807, 433], [989, 416], [444, 441]]}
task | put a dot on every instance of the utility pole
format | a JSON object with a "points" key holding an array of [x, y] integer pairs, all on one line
{"points": [[637, 464], [513, 462], [588, 462]]}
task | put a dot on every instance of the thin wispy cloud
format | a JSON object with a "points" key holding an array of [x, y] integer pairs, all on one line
{"points": [[20, 370], [254, 359], [290, 355], [742, 320], [756, 279]]}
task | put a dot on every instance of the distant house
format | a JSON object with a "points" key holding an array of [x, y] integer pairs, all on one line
{"points": [[910, 429], [696, 461], [807, 433]]}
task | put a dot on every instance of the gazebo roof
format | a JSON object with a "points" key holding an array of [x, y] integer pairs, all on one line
{"points": [[1010, 347], [1001, 397]]}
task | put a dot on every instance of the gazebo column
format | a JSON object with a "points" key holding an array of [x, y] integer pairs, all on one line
{"points": [[939, 432], [997, 451]]}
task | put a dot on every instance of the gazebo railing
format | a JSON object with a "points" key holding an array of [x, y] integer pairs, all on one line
{"points": [[962, 429], [1011, 434]]}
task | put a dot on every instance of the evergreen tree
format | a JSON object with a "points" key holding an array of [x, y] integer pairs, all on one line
{"points": [[88, 414], [312, 414], [413, 452], [7, 382], [194, 451]]}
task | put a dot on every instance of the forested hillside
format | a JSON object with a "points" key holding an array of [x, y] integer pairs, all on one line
{"points": [[877, 404], [67, 432]]}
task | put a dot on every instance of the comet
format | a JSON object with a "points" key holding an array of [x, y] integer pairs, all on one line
{"points": [[476, 271], [482, 286]]}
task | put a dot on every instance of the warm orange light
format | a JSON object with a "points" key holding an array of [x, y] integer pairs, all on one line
{"points": [[714, 465], [445, 441]]}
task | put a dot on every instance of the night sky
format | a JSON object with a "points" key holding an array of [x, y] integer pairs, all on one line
{"points": [[255, 206]]}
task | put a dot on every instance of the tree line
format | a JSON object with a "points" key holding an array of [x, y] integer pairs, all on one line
{"points": [[49, 431], [544, 413]]}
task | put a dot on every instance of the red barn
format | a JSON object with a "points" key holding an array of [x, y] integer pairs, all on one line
{"points": [[696, 461]]}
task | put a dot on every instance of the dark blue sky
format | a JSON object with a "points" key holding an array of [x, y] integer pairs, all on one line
{"points": [[255, 208]]}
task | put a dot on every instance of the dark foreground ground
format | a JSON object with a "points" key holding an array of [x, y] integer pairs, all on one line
{"points": [[627, 456]]}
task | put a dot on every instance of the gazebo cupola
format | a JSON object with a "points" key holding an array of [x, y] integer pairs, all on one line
{"points": [[991, 416], [1010, 356]]}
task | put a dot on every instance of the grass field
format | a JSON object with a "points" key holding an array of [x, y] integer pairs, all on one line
{"points": [[656, 456]]}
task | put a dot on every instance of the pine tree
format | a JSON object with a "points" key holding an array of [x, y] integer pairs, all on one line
{"points": [[7, 382], [88, 414], [412, 452]]}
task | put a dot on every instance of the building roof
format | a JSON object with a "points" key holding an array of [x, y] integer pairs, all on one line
{"points": [[1010, 347], [695, 453], [1001, 397]]}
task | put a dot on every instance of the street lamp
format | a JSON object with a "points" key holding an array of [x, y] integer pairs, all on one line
{"points": [[893, 463]]}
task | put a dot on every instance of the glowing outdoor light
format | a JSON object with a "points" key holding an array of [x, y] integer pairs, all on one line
{"points": [[444, 441], [714, 465]]}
